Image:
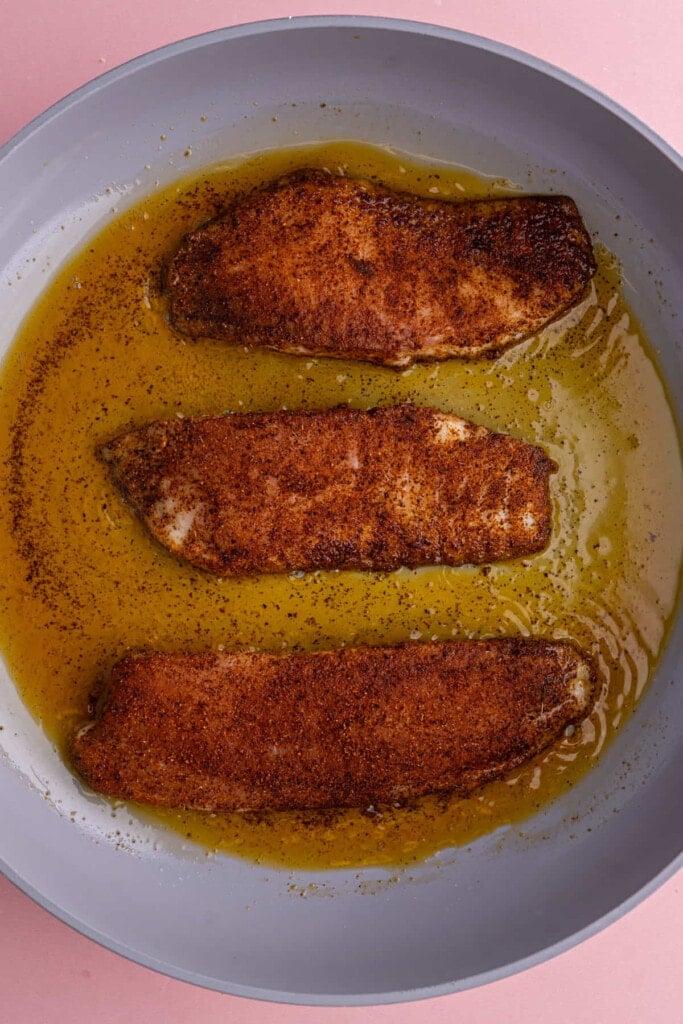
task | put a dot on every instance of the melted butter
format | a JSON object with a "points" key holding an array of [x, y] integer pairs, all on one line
{"points": [[83, 583]]}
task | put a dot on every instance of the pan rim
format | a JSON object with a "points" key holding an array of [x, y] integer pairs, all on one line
{"points": [[303, 22]]}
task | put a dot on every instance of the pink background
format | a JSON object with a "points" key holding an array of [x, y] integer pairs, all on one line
{"points": [[632, 971]]}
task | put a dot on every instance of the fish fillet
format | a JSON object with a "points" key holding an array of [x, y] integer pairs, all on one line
{"points": [[319, 264], [334, 489], [343, 728]]}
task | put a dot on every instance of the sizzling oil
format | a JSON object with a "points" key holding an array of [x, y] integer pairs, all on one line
{"points": [[83, 583]]}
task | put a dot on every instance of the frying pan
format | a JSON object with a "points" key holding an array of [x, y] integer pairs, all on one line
{"points": [[514, 897]]}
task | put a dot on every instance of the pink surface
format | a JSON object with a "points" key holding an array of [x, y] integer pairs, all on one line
{"points": [[629, 973]]}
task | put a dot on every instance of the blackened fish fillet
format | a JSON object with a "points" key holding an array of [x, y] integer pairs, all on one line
{"points": [[320, 264], [334, 489], [342, 728]]}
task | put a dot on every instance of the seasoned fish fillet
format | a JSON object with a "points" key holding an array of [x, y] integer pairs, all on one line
{"points": [[334, 489], [319, 264], [344, 728]]}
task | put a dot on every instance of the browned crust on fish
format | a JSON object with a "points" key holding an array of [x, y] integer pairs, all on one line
{"points": [[319, 264], [344, 728], [334, 489]]}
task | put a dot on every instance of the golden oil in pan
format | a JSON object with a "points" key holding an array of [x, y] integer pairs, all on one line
{"points": [[82, 583]]}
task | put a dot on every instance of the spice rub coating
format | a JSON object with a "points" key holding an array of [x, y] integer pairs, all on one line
{"points": [[343, 728], [321, 264], [334, 489]]}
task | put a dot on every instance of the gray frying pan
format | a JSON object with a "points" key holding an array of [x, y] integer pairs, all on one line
{"points": [[504, 903]]}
